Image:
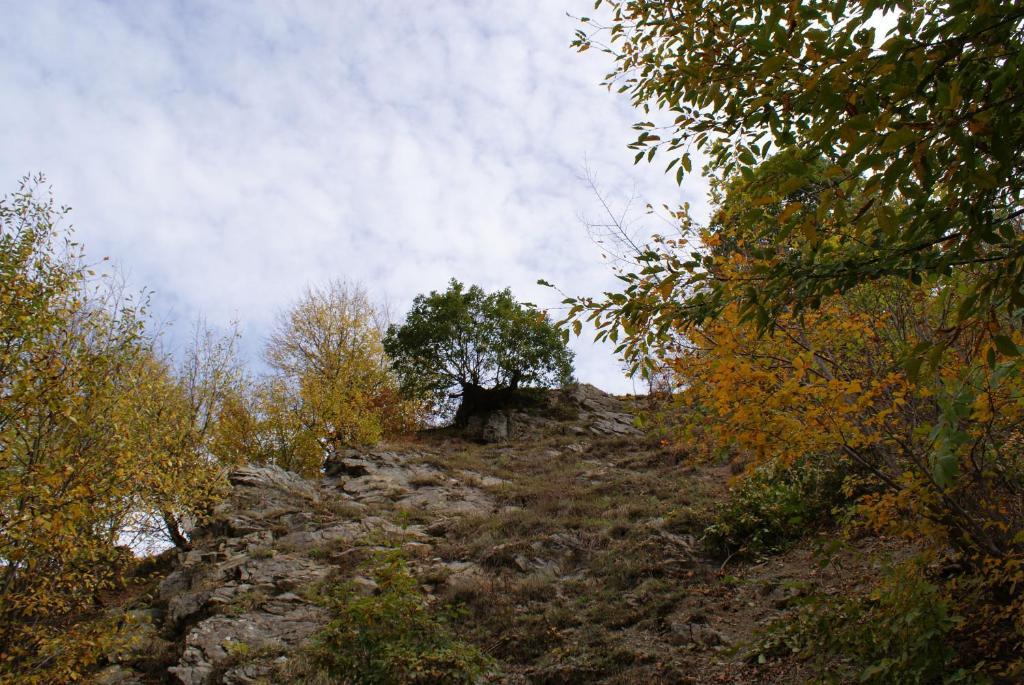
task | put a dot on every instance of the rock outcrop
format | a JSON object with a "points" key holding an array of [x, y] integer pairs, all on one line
{"points": [[241, 603]]}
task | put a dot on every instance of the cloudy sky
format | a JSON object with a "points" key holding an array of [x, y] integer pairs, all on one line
{"points": [[227, 154]]}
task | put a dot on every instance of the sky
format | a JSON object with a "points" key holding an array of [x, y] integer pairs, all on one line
{"points": [[225, 155]]}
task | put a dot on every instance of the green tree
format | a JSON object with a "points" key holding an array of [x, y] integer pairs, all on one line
{"points": [[476, 348], [918, 129]]}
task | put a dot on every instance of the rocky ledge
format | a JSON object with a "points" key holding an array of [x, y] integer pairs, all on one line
{"points": [[245, 587]]}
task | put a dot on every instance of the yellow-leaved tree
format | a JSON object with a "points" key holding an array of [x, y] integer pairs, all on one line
{"points": [[933, 447], [100, 436], [332, 386]]}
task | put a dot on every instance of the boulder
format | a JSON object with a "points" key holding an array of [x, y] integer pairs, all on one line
{"points": [[489, 428], [277, 626]]}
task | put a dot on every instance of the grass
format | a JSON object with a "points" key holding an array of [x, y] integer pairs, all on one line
{"points": [[591, 521]]}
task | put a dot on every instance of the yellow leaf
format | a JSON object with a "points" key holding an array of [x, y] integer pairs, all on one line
{"points": [[791, 209]]}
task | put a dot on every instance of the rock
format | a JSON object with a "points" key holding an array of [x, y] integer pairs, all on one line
{"points": [[446, 500], [591, 398], [489, 428], [613, 423], [417, 550], [467, 582], [283, 486], [438, 529], [279, 626], [341, 463], [602, 413], [282, 572], [364, 586], [694, 631], [347, 467], [482, 481], [253, 673], [496, 428], [186, 605], [376, 487], [682, 543], [117, 675]]}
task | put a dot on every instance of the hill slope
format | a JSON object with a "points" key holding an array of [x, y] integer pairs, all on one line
{"points": [[568, 540]]}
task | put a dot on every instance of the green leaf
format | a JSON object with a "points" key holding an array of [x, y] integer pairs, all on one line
{"points": [[944, 468], [1005, 346], [898, 138]]}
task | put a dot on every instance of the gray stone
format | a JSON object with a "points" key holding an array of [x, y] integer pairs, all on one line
{"points": [[347, 467], [694, 632], [281, 625], [374, 487], [488, 428]]}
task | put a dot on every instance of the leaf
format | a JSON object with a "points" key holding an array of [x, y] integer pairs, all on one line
{"points": [[791, 209], [944, 468], [809, 230], [1005, 345], [898, 139]]}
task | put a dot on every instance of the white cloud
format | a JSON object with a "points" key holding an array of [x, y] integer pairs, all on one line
{"points": [[228, 154]]}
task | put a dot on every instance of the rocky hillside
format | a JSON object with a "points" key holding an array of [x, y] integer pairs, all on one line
{"points": [[568, 542]]}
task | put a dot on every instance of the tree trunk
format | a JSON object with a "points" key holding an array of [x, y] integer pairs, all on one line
{"points": [[480, 400], [174, 532]]}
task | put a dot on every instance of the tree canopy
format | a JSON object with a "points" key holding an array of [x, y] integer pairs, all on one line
{"points": [[910, 134], [856, 294], [465, 344], [102, 439], [332, 385]]}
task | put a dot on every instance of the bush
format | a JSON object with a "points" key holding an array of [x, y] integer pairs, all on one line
{"points": [[392, 636], [777, 504], [898, 633]]}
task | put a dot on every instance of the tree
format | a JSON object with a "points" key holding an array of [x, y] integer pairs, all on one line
{"points": [[91, 426], [182, 416], [867, 220], [464, 344], [918, 130], [332, 385], [934, 451]]}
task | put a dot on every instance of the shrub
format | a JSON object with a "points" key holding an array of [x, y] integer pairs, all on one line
{"points": [[393, 636], [776, 504], [899, 633]]}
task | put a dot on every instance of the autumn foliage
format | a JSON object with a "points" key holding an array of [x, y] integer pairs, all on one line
{"points": [[856, 292], [331, 385], [111, 447], [101, 440]]}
